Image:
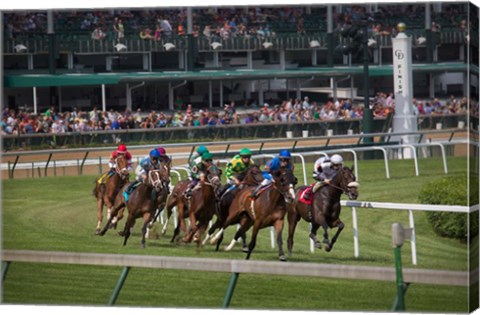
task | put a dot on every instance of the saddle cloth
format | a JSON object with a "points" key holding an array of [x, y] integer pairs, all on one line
{"points": [[104, 177], [303, 192], [129, 190]]}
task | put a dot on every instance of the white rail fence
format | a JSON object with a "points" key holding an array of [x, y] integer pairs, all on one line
{"points": [[438, 277]]}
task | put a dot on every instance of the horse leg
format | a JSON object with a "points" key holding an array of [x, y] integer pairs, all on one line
{"points": [[339, 224], [99, 215], [210, 231], [193, 226], [293, 218], [278, 226], [253, 242], [111, 218], [146, 219], [313, 235], [128, 227]]}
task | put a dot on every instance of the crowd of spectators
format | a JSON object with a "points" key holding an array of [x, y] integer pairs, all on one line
{"points": [[291, 110], [227, 22]]}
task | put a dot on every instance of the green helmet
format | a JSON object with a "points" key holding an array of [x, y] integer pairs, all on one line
{"points": [[202, 149], [245, 152], [207, 156]]}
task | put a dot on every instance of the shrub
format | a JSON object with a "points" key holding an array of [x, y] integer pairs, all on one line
{"points": [[451, 191]]}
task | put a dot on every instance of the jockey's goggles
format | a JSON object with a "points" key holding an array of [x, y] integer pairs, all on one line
{"points": [[285, 160], [245, 156], [208, 161]]}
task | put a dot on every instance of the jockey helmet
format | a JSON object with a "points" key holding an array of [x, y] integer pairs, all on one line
{"points": [[207, 156], [122, 148], [336, 159], [202, 149], [162, 151], [245, 152], [285, 154], [154, 154]]}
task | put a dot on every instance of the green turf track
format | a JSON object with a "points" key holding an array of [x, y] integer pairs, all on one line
{"points": [[58, 214]]}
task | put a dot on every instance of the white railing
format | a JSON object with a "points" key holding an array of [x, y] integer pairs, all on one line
{"points": [[397, 206]]}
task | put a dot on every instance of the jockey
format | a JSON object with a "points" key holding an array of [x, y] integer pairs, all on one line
{"points": [[324, 170], [163, 155], [121, 150], [236, 169], [197, 172], [283, 160], [150, 162], [197, 157]]}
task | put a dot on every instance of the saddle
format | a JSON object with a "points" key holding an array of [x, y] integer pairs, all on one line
{"points": [[130, 189], [103, 179], [303, 193]]}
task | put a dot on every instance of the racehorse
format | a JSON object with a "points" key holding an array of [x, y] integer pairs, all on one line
{"points": [[324, 209], [268, 209], [105, 193], [142, 202], [200, 208], [253, 177]]}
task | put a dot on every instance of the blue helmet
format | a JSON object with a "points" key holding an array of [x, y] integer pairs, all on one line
{"points": [[154, 154], [202, 149], [285, 154]]}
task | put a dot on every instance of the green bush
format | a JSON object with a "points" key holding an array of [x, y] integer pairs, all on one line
{"points": [[451, 191]]}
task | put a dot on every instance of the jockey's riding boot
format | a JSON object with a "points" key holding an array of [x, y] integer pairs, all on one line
{"points": [[254, 193], [111, 172], [131, 187]]}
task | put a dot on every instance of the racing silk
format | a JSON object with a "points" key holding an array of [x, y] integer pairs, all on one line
{"points": [[236, 167], [145, 166], [273, 165], [114, 155], [196, 166], [322, 169]]}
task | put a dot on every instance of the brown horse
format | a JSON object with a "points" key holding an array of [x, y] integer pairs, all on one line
{"points": [[200, 208], [325, 208], [143, 201], [105, 193], [253, 177], [268, 209]]}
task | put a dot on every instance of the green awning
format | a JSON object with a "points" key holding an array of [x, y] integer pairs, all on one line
{"points": [[82, 79]]}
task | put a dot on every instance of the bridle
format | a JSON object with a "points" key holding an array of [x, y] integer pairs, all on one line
{"points": [[122, 172]]}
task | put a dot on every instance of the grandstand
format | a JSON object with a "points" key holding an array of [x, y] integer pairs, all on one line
{"points": [[243, 54]]}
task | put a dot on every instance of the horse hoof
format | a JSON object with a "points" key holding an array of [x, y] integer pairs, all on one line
{"points": [[318, 245], [97, 232], [121, 233], [245, 249], [213, 241], [328, 248], [142, 245], [282, 258]]}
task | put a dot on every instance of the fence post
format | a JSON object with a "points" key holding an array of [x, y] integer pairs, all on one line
{"points": [[230, 289], [5, 266], [118, 286], [398, 235]]}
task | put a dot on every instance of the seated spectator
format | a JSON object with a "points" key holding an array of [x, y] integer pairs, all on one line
{"points": [[98, 34], [146, 34]]}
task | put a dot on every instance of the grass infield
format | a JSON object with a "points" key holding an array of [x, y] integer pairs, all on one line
{"points": [[59, 214]]}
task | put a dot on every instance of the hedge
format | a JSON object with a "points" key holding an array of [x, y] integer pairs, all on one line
{"points": [[452, 191]]}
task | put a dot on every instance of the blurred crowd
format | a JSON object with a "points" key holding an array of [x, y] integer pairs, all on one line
{"points": [[290, 110]]}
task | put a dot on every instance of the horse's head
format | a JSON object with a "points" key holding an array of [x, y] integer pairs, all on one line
{"points": [[159, 179], [284, 182], [121, 168], [213, 175], [253, 176], [165, 175], [348, 182]]}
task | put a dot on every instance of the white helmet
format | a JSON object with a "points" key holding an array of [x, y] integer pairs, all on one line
{"points": [[336, 159]]}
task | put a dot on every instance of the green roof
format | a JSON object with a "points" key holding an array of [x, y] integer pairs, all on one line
{"points": [[79, 79]]}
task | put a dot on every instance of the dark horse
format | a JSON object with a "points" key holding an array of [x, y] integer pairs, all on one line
{"points": [[325, 208], [105, 193], [268, 209], [200, 208], [143, 201], [253, 177]]}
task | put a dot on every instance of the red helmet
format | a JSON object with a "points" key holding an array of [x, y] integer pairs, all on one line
{"points": [[122, 148], [162, 151]]}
